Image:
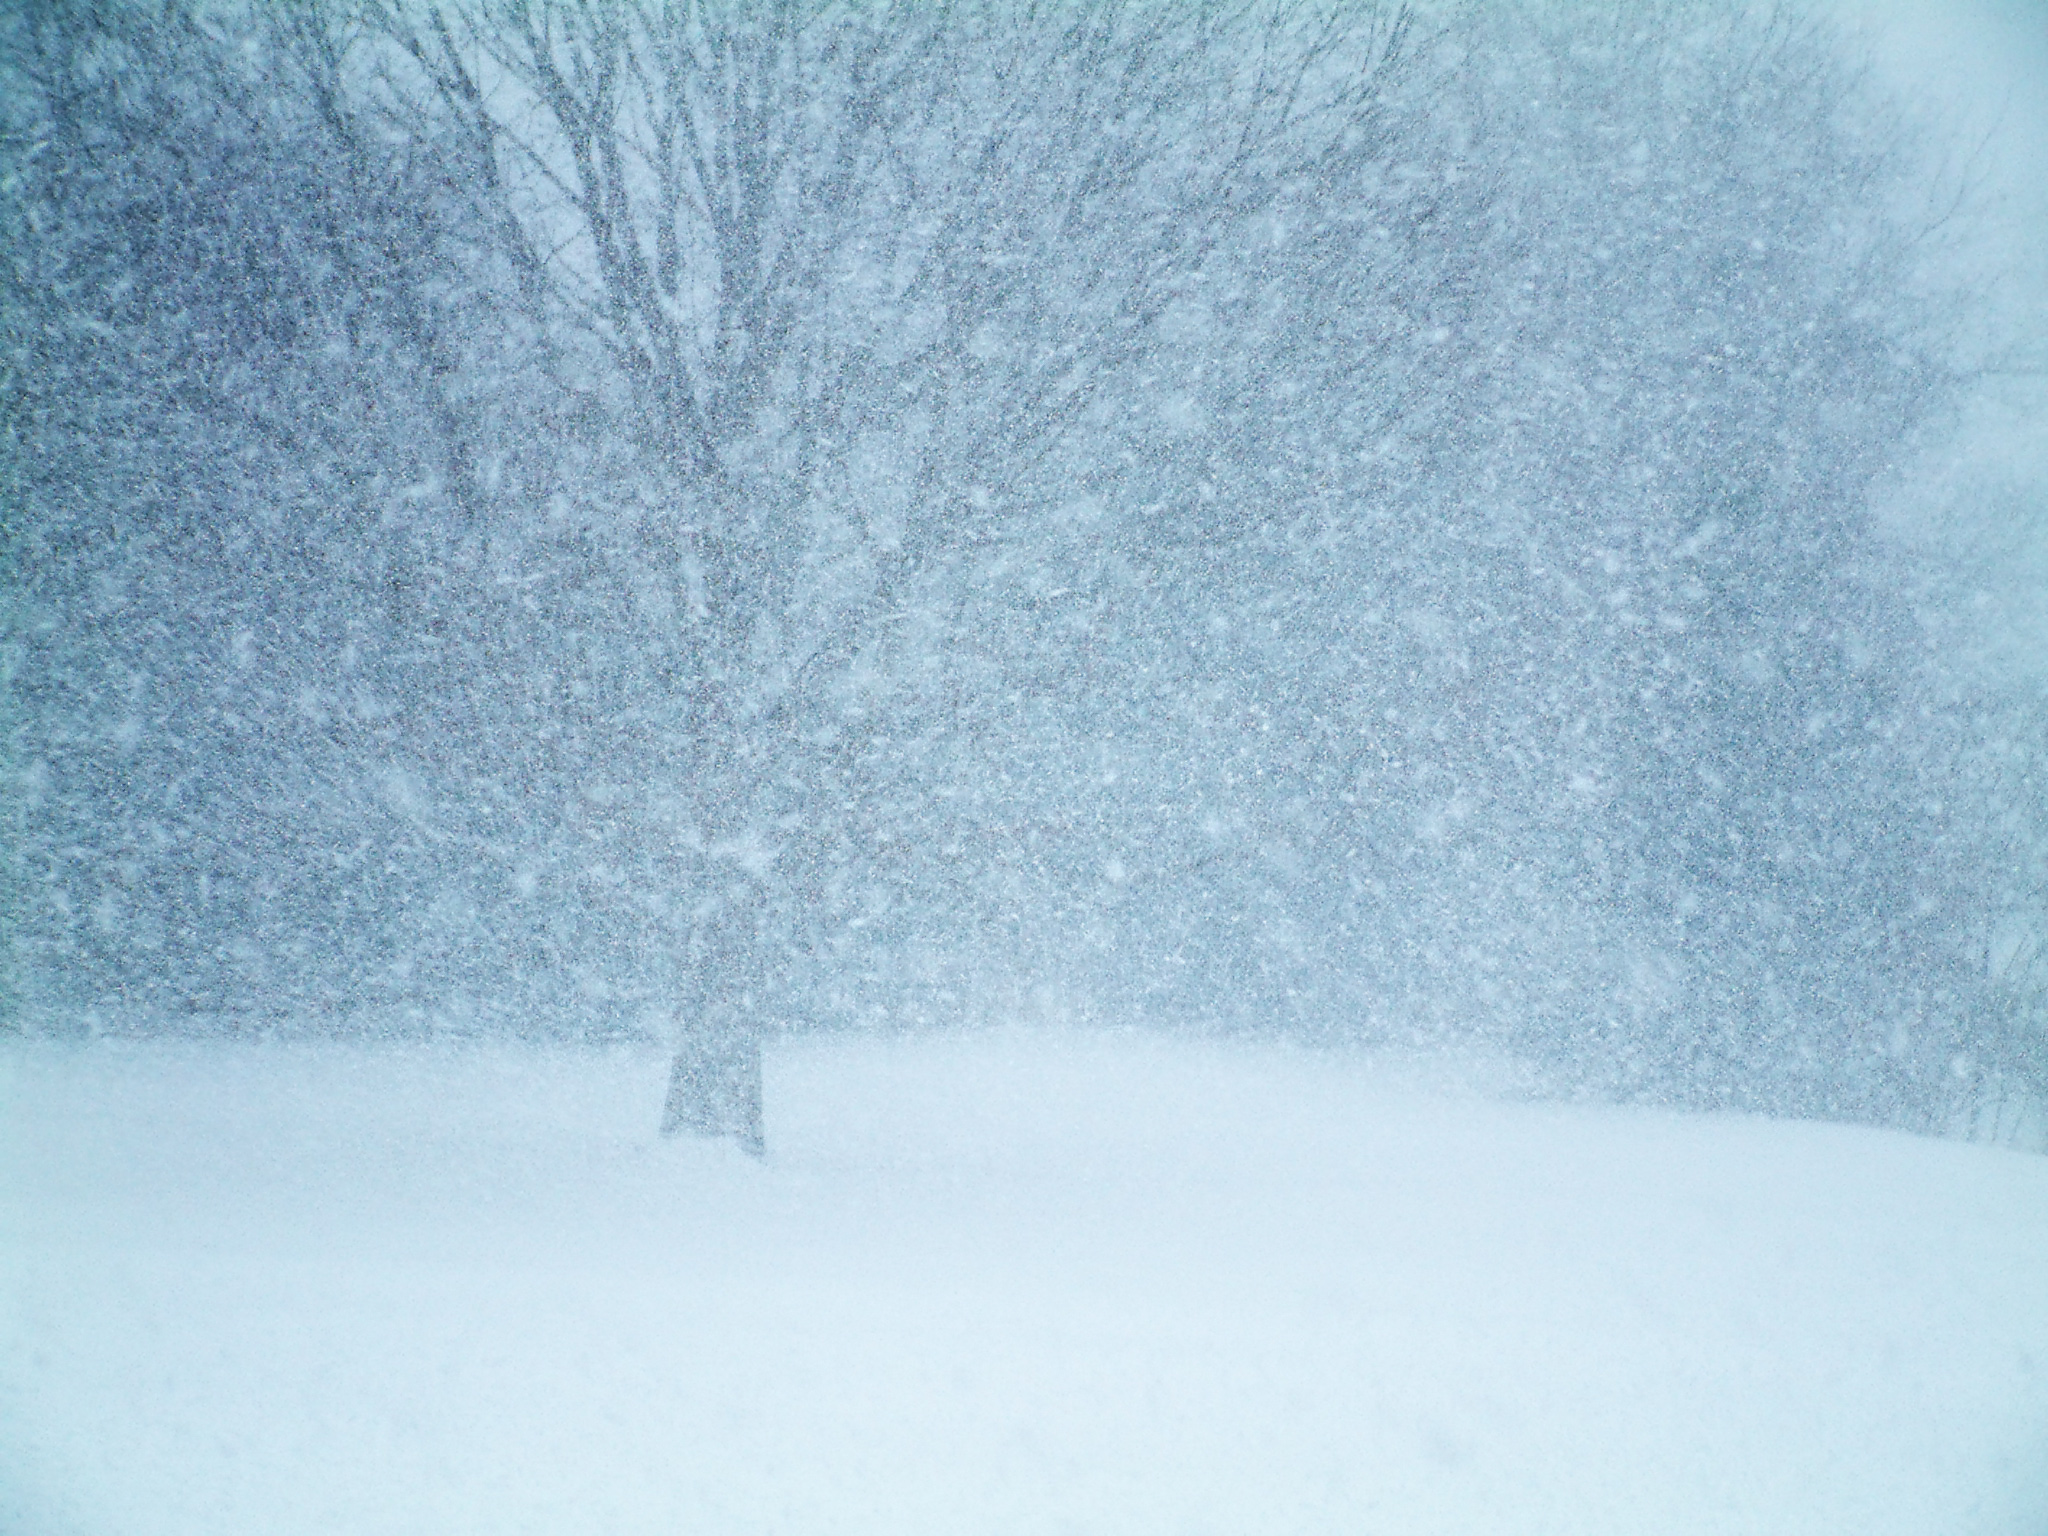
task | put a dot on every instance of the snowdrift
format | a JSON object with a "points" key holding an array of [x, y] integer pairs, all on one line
{"points": [[993, 1283]]}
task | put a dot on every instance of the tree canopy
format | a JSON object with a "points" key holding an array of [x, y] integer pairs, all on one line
{"points": [[1247, 515]]}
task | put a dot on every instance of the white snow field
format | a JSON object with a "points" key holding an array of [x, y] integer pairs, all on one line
{"points": [[988, 1283]]}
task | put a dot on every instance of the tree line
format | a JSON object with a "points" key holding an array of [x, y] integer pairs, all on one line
{"points": [[642, 514]]}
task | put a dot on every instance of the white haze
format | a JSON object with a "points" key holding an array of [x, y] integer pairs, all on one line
{"points": [[1227, 993]]}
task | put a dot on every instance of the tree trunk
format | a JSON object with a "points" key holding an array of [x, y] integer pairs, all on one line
{"points": [[714, 1086]]}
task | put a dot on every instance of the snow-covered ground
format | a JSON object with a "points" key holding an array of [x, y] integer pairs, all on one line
{"points": [[992, 1283]]}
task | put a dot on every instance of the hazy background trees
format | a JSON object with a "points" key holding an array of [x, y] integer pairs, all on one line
{"points": [[583, 516]]}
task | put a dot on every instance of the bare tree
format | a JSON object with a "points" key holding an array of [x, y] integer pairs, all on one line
{"points": [[848, 280]]}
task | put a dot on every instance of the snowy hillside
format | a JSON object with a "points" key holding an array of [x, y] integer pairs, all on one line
{"points": [[1017, 1283]]}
